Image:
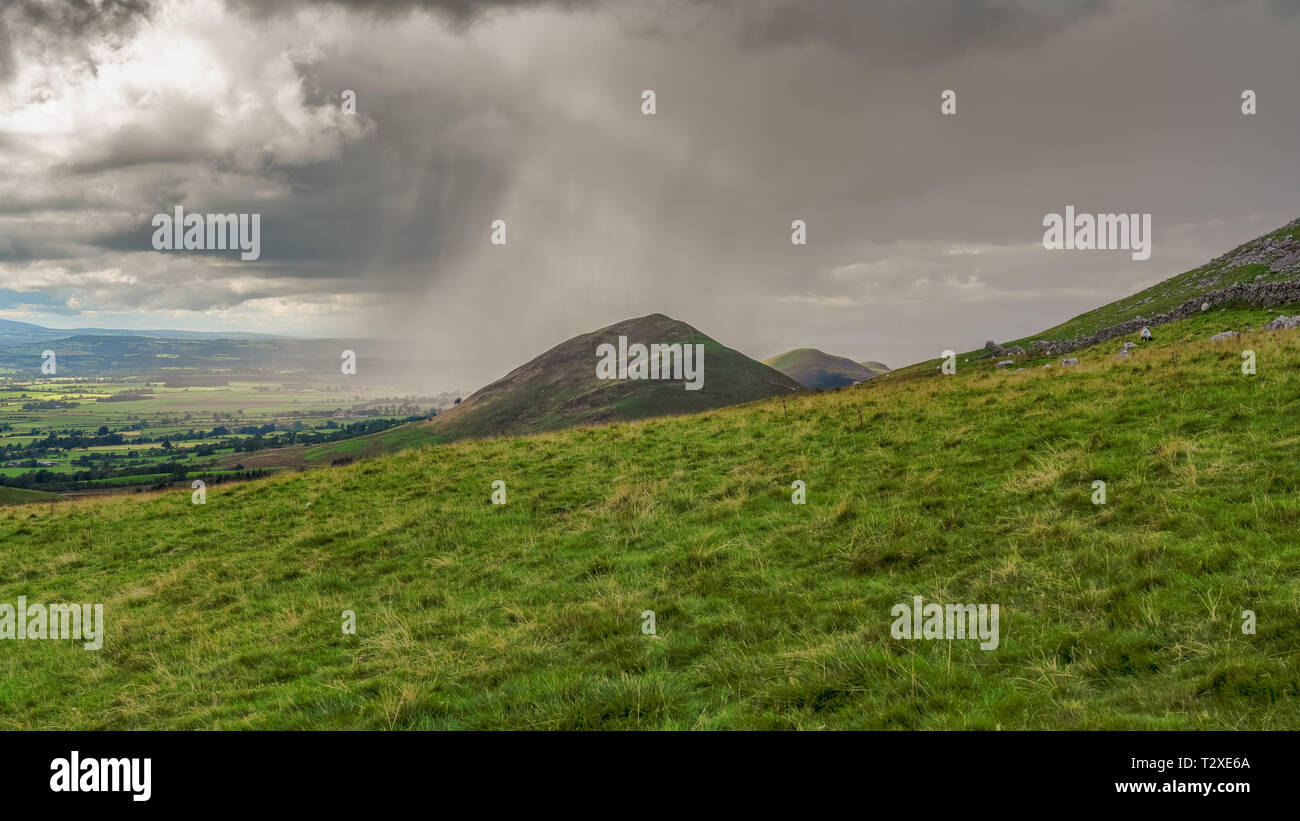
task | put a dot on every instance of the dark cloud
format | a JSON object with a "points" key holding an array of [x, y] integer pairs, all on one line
{"points": [[921, 226], [458, 11], [1281, 8], [45, 29], [913, 33]]}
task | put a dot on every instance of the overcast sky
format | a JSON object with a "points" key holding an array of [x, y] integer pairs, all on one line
{"points": [[924, 231]]}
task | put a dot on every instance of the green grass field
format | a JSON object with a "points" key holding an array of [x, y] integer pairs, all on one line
{"points": [[974, 488]]}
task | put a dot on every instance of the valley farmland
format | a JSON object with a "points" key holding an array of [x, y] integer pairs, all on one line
{"points": [[90, 435]]}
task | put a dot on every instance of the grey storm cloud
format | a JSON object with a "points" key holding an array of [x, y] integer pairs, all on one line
{"points": [[920, 225], [912, 33], [37, 29], [459, 11]]}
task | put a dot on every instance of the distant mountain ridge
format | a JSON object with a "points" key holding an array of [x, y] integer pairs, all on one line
{"points": [[819, 370], [560, 389], [163, 358], [15, 332]]}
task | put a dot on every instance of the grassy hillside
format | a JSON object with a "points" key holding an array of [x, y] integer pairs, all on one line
{"points": [[21, 496], [560, 389], [819, 370], [970, 488], [376, 444]]}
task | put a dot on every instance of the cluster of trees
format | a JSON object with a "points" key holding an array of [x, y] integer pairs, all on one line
{"points": [[174, 472], [209, 478], [84, 479], [403, 409], [131, 395], [263, 440], [70, 439]]}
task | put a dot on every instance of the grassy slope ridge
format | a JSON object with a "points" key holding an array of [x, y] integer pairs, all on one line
{"points": [[373, 444], [819, 370], [969, 488], [559, 388], [1272, 257]]}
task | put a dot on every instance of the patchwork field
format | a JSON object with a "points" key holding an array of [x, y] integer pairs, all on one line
{"points": [[163, 410], [68, 434]]}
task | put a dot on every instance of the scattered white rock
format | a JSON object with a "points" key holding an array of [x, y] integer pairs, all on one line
{"points": [[1222, 336], [1283, 323], [1205, 306], [1006, 362], [1072, 360]]}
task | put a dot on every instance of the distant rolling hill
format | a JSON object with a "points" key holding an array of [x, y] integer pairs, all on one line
{"points": [[163, 358], [559, 389], [13, 332], [822, 371]]}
